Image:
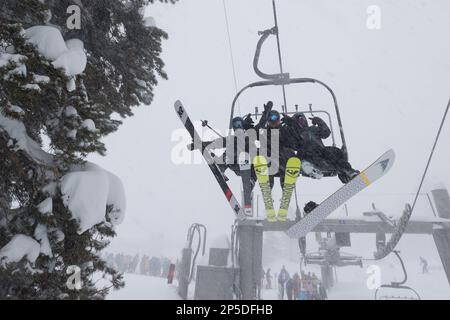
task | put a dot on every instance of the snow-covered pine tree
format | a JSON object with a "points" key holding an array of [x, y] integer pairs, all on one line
{"points": [[59, 90]]}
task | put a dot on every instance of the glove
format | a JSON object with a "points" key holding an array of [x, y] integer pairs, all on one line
{"points": [[268, 107], [287, 119], [316, 121], [248, 122]]}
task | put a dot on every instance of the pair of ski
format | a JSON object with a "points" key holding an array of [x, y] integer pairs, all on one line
{"points": [[375, 171], [292, 172]]}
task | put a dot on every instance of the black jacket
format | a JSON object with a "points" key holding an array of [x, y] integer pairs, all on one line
{"points": [[305, 138]]}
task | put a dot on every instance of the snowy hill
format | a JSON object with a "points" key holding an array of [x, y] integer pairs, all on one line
{"points": [[138, 287]]}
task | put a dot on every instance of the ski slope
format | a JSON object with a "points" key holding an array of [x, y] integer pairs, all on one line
{"points": [[139, 287]]}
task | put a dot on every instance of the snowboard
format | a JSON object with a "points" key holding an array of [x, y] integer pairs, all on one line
{"points": [[245, 168], [181, 112], [261, 168], [292, 172], [374, 172]]}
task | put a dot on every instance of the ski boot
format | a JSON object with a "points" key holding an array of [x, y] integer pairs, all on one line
{"points": [[348, 175], [309, 170], [309, 207]]}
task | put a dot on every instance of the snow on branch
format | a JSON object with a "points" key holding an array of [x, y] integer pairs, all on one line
{"points": [[21, 141], [89, 191], [19, 247]]}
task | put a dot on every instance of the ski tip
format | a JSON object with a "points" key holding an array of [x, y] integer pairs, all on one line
{"points": [[387, 160], [260, 160], [178, 104]]}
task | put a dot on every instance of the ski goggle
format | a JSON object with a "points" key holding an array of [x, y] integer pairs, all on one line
{"points": [[238, 124], [274, 117]]}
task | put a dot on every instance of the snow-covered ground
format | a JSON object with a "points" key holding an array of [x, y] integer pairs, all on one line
{"points": [[138, 287], [351, 285]]}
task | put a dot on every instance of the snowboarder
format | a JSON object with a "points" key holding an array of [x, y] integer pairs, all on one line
{"points": [[307, 141]]}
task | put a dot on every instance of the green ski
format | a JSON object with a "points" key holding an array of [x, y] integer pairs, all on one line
{"points": [[262, 174], [292, 172]]}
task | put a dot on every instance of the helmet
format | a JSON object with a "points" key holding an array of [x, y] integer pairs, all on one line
{"points": [[237, 123], [273, 118], [300, 119]]}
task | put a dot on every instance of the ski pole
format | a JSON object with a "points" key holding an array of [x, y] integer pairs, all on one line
{"points": [[205, 124]]}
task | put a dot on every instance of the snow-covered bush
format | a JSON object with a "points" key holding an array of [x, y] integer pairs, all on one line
{"points": [[62, 86]]}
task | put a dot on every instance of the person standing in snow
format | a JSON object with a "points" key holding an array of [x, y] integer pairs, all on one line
{"points": [[297, 286], [322, 292], [282, 279], [290, 288], [424, 264], [134, 263], [268, 279]]}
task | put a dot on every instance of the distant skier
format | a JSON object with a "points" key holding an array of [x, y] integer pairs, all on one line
{"points": [[297, 286], [282, 279], [307, 141], [424, 264], [322, 292], [268, 279], [290, 288]]}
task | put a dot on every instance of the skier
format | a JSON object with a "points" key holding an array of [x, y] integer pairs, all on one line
{"points": [[289, 288], [297, 285], [282, 279], [268, 279], [323, 292], [285, 151], [424, 264], [307, 141]]}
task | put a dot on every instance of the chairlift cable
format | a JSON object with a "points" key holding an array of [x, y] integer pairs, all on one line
{"points": [[230, 47], [395, 238], [280, 60], [431, 155]]}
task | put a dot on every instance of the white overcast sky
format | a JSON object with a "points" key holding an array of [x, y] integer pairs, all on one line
{"points": [[392, 86]]}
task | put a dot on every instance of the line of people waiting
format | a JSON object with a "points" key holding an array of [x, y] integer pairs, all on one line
{"points": [[145, 265], [299, 287]]}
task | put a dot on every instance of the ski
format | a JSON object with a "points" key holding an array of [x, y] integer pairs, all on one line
{"points": [[378, 169], [245, 168], [292, 172], [181, 112], [262, 174]]}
